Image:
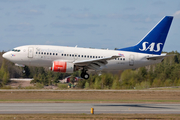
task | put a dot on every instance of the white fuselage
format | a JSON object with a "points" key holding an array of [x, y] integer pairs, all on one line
{"points": [[44, 55]]}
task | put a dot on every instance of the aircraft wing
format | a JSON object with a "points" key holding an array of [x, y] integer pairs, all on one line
{"points": [[155, 57], [94, 64]]}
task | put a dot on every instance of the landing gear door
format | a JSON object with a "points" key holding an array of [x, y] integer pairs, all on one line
{"points": [[30, 52], [131, 60]]}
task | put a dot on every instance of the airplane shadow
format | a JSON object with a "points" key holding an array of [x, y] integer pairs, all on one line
{"points": [[135, 105]]}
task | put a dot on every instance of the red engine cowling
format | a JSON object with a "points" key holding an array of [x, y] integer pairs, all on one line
{"points": [[61, 66]]}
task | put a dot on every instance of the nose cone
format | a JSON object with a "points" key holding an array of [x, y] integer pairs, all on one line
{"points": [[6, 55]]}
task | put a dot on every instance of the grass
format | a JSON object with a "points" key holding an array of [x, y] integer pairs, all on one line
{"points": [[91, 96], [89, 116]]}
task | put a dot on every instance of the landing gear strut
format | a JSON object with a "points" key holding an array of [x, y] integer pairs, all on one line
{"points": [[84, 74]]}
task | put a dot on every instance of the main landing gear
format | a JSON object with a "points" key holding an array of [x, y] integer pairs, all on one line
{"points": [[23, 71], [84, 74]]}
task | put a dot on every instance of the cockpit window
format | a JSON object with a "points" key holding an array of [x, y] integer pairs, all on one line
{"points": [[16, 50]]}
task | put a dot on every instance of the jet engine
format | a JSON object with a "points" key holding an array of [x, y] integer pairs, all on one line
{"points": [[62, 66]]}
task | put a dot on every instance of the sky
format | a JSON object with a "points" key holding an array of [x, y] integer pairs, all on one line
{"points": [[85, 23]]}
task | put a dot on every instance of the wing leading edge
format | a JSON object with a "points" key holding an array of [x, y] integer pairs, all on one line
{"points": [[94, 64]]}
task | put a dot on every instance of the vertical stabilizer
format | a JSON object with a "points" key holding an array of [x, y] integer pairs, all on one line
{"points": [[153, 42]]}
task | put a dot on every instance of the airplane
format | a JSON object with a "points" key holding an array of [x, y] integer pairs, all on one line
{"points": [[69, 59]]}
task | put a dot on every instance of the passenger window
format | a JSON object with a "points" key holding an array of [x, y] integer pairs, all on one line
{"points": [[64, 54], [88, 56], [78, 55], [61, 54], [75, 55], [56, 54], [36, 52], [85, 56], [47, 53], [50, 53], [72, 55], [101, 56], [81, 55], [93, 56], [123, 58], [44, 53], [41, 52], [67, 54]]}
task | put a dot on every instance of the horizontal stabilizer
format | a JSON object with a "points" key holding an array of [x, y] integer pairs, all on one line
{"points": [[155, 57]]}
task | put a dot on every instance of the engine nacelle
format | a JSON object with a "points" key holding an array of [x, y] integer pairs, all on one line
{"points": [[61, 66]]}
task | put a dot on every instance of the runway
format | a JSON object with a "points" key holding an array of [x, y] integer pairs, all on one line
{"points": [[78, 108]]}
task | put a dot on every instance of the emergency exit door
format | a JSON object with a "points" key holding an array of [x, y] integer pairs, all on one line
{"points": [[30, 52], [75, 56]]}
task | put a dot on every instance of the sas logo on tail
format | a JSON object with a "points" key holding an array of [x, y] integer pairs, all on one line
{"points": [[151, 46]]}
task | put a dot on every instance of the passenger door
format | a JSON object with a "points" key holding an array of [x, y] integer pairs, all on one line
{"points": [[131, 60]]}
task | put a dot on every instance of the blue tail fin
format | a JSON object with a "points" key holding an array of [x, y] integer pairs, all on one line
{"points": [[153, 42]]}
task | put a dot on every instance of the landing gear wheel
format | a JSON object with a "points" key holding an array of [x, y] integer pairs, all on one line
{"points": [[84, 75], [23, 71]]}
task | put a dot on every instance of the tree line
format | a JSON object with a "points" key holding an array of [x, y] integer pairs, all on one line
{"points": [[166, 73]]}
